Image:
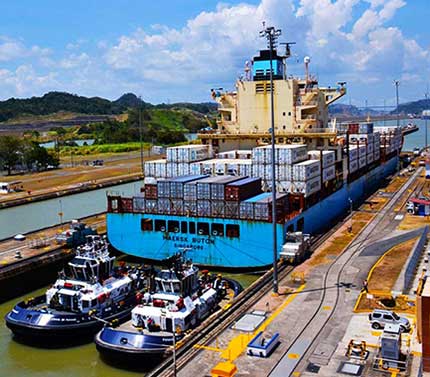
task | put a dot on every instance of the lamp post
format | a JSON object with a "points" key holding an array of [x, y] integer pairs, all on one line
{"points": [[272, 34], [350, 214], [425, 118], [397, 83]]}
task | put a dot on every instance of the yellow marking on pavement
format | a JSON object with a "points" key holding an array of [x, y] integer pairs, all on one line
{"points": [[327, 307], [199, 346], [376, 333], [296, 374], [226, 306], [293, 355], [239, 344]]}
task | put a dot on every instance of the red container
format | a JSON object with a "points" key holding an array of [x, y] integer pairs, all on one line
{"points": [[151, 191], [243, 189], [126, 205]]}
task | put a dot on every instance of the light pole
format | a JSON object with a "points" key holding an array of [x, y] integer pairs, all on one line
{"points": [[350, 214], [272, 34], [425, 117], [397, 83], [141, 135]]}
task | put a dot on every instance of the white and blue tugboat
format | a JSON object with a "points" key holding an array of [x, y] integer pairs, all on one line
{"points": [[181, 301], [90, 293]]}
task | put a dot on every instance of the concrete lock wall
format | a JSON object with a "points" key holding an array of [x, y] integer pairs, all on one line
{"points": [[413, 260]]}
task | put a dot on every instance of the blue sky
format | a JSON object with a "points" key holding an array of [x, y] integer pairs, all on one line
{"points": [[176, 50]]}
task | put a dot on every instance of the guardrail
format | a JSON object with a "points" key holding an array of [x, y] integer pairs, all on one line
{"points": [[413, 260]]}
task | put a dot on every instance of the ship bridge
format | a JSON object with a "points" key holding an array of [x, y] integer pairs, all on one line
{"points": [[300, 107]]}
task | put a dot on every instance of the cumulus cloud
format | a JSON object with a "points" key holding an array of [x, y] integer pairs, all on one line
{"points": [[346, 39]]}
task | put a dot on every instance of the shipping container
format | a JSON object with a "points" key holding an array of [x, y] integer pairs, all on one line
{"points": [[284, 154], [263, 206], [362, 162], [369, 148], [232, 209], [306, 170], [327, 158], [217, 208], [151, 191], [307, 187], [138, 204], [177, 207], [370, 158], [353, 152], [151, 206], [188, 153], [328, 173], [203, 208], [164, 206], [213, 187], [243, 189], [353, 166], [284, 172], [190, 208]]}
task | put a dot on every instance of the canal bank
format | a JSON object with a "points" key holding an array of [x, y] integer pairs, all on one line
{"points": [[46, 213], [75, 189]]}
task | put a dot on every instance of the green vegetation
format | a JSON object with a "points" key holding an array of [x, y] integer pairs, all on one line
{"points": [[13, 109], [103, 148], [25, 153]]}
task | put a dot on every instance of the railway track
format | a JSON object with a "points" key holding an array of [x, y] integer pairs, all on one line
{"points": [[307, 335], [217, 323]]}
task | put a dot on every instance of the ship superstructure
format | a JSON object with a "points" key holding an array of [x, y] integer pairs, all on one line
{"points": [[214, 198]]}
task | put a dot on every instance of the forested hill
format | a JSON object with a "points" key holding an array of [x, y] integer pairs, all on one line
{"points": [[54, 102]]}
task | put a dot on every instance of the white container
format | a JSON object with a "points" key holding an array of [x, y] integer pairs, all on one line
{"points": [[308, 187], [188, 153], [306, 170], [328, 173], [285, 186], [353, 166], [353, 152], [362, 151], [362, 162], [376, 154], [284, 172], [195, 168], [172, 170], [328, 157], [369, 148], [284, 154], [370, 158]]}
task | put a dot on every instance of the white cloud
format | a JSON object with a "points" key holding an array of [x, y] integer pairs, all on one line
{"points": [[164, 63]]}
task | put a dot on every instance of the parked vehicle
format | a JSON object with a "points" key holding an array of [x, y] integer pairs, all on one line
{"points": [[379, 318]]}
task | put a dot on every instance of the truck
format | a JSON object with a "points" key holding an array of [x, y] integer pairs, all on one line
{"points": [[296, 247], [75, 235]]}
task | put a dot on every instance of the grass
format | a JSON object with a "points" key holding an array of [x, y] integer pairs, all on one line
{"points": [[385, 274], [103, 148]]}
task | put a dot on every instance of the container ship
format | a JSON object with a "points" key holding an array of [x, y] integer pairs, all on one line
{"points": [[214, 199]]}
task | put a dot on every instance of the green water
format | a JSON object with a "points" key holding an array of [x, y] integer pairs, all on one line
{"points": [[19, 360]]}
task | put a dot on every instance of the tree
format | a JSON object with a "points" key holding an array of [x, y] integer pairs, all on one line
{"points": [[10, 151], [35, 155]]}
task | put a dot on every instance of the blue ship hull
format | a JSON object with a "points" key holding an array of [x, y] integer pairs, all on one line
{"points": [[253, 247]]}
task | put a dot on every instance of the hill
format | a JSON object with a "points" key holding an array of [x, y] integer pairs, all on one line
{"points": [[414, 107], [57, 102]]}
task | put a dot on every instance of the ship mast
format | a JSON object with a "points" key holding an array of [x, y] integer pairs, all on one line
{"points": [[272, 34]]}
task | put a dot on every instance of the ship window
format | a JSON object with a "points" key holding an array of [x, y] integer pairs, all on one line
{"points": [[192, 228], [289, 113], [85, 304], [232, 230], [160, 225], [283, 113], [217, 230], [203, 229], [146, 224], [173, 226], [300, 224], [93, 302], [184, 227]]}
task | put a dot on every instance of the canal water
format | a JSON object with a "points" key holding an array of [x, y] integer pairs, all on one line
{"points": [[17, 359], [29, 217]]}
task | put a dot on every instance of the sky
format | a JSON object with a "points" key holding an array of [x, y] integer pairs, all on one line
{"points": [[177, 50]]}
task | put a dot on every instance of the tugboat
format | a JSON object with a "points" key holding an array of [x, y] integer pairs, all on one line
{"points": [[91, 293], [181, 301]]}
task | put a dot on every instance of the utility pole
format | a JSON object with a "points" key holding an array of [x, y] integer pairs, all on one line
{"points": [[426, 95], [141, 135], [272, 34], [397, 83]]}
